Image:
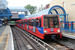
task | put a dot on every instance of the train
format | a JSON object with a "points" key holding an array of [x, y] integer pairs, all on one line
{"points": [[11, 23], [41, 26]]}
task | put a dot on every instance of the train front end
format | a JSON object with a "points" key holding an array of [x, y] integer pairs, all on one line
{"points": [[51, 24]]}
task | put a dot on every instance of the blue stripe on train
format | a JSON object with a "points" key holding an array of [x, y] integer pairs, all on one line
{"points": [[40, 29], [25, 22], [19, 24]]}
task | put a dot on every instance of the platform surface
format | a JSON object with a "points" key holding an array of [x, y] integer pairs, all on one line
{"points": [[69, 34], [6, 42], [2, 29]]}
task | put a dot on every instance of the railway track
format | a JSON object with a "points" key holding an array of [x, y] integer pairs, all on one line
{"points": [[58, 44], [70, 43], [23, 42], [49, 45]]}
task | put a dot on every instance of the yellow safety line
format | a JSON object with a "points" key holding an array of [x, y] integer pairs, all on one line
{"points": [[2, 36], [6, 42]]}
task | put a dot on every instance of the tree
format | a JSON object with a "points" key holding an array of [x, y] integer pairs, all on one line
{"points": [[31, 9], [41, 8]]}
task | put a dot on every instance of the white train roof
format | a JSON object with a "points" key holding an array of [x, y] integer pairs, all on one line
{"points": [[43, 12]]}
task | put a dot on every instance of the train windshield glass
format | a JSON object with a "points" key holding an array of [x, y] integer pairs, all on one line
{"points": [[51, 21]]}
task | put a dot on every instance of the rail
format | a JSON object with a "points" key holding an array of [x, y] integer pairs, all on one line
{"points": [[40, 42]]}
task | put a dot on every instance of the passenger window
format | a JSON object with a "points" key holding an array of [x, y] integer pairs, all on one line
{"points": [[34, 22], [23, 22], [46, 23], [27, 22], [56, 22], [38, 22], [19, 22], [31, 22], [51, 23]]}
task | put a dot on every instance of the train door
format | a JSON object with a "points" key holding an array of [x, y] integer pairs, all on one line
{"points": [[31, 24], [34, 25], [39, 29], [23, 23], [20, 23]]}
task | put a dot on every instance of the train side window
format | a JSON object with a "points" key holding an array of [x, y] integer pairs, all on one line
{"points": [[27, 22], [21, 22], [24, 22], [38, 22], [34, 22], [56, 22], [31, 22], [18, 22]]}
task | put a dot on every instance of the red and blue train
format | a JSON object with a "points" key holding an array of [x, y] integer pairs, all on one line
{"points": [[41, 26]]}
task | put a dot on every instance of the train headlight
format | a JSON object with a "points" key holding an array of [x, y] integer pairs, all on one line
{"points": [[45, 31], [58, 30]]}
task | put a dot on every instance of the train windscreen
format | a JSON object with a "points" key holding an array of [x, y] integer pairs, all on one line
{"points": [[51, 21]]}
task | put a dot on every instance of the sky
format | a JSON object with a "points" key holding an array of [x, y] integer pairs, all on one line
{"points": [[23, 3]]}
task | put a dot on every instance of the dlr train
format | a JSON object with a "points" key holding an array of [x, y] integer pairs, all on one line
{"points": [[41, 26]]}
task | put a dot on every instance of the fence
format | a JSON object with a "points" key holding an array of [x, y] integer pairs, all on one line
{"points": [[70, 25]]}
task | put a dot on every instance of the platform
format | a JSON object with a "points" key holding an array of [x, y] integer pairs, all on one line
{"points": [[68, 34], [2, 29], [6, 38]]}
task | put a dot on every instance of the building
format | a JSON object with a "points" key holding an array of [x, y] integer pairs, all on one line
{"points": [[68, 5], [47, 6], [18, 12]]}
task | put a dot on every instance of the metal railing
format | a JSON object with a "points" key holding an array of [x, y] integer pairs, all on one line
{"points": [[70, 25]]}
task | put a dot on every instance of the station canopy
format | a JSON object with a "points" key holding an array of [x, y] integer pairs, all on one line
{"points": [[55, 10]]}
